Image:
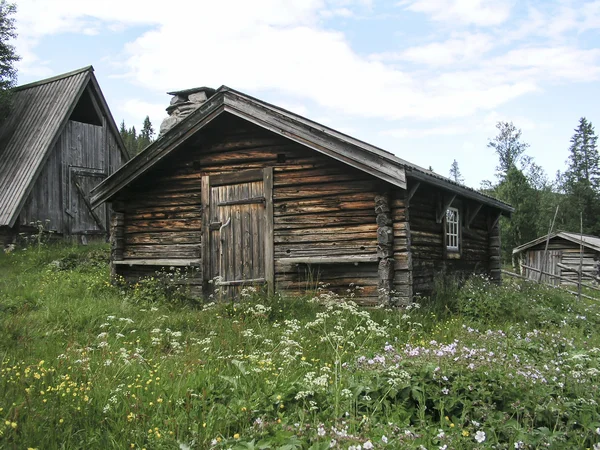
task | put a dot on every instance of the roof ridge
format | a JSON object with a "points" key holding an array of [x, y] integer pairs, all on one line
{"points": [[54, 78]]}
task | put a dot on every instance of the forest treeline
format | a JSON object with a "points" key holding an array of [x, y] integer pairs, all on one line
{"points": [[524, 184], [136, 142]]}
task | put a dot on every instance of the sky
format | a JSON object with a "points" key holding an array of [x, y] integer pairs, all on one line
{"points": [[427, 80]]}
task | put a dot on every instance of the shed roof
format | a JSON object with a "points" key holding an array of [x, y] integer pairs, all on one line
{"points": [[592, 242], [361, 155], [39, 113]]}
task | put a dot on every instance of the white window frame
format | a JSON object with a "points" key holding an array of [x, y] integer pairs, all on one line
{"points": [[452, 229]]}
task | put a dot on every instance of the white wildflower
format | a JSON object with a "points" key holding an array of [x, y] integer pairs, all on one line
{"points": [[480, 436]]}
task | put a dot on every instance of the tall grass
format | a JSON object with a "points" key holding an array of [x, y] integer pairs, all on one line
{"points": [[88, 364]]}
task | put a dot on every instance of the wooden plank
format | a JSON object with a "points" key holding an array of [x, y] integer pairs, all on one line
{"points": [[351, 259], [242, 201], [244, 176], [159, 262], [269, 230], [89, 207], [205, 228], [240, 282]]}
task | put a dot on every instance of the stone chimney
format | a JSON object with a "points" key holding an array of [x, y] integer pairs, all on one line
{"points": [[183, 103]]}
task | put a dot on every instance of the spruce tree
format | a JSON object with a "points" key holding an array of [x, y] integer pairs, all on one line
{"points": [[455, 174], [581, 180], [8, 56], [146, 135]]}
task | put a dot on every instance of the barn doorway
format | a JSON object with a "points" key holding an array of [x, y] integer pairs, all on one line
{"points": [[237, 231], [85, 220]]}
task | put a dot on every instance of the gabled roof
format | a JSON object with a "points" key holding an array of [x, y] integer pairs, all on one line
{"points": [[40, 110], [358, 154], [592, 242]]}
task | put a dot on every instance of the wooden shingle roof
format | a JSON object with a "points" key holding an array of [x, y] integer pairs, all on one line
{"points": [[39, 113]]}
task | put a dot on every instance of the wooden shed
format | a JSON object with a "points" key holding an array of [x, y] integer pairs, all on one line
{"points": [[560, 263], [249, 193], [59, 141]]}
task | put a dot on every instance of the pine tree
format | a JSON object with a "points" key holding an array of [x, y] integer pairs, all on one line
{"points": [[581, 180], [509, 148], [8, 56], [146, 135], [455, 173]]}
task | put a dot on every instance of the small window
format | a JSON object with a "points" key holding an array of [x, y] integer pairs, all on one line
{"points": [[452, 229]]}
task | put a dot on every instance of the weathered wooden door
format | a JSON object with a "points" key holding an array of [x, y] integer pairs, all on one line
{"points": [[237, 239], [84, 219]]}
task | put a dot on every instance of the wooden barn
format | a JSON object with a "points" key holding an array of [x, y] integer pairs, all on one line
{"points": [[59, 141], [560, 262], [246, 193]]}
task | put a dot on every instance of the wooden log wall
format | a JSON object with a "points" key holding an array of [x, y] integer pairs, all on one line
{"points": [[385, 247], [428, 248], [321, 208], [403, 281]]}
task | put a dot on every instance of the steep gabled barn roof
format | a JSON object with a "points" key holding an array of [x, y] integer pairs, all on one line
{"points": [[591, 242], [368, 158], [39, 113]]}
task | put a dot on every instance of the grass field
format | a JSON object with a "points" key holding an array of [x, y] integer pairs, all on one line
{"points": [[86, 364]]}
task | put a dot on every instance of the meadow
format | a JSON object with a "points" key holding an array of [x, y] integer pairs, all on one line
{"points": [[89, 364]]}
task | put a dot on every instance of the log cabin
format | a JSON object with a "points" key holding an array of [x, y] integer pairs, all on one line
{"points": [[244, 192], [555, 259], [58, 142]]}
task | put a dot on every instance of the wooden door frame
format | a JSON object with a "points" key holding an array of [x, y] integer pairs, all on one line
{"points": [[207, 181]]}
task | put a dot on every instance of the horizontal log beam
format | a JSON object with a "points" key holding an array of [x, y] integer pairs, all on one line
{"points": [[158, 262]]}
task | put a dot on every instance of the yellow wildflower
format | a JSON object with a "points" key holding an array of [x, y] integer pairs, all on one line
{"points": [[236, 436], [465, 433]]}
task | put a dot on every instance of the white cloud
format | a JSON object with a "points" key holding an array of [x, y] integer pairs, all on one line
{"points": [[470, 12], [417, 133], [459, 48], [268, 46], [552, 63], [485, 125]]}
